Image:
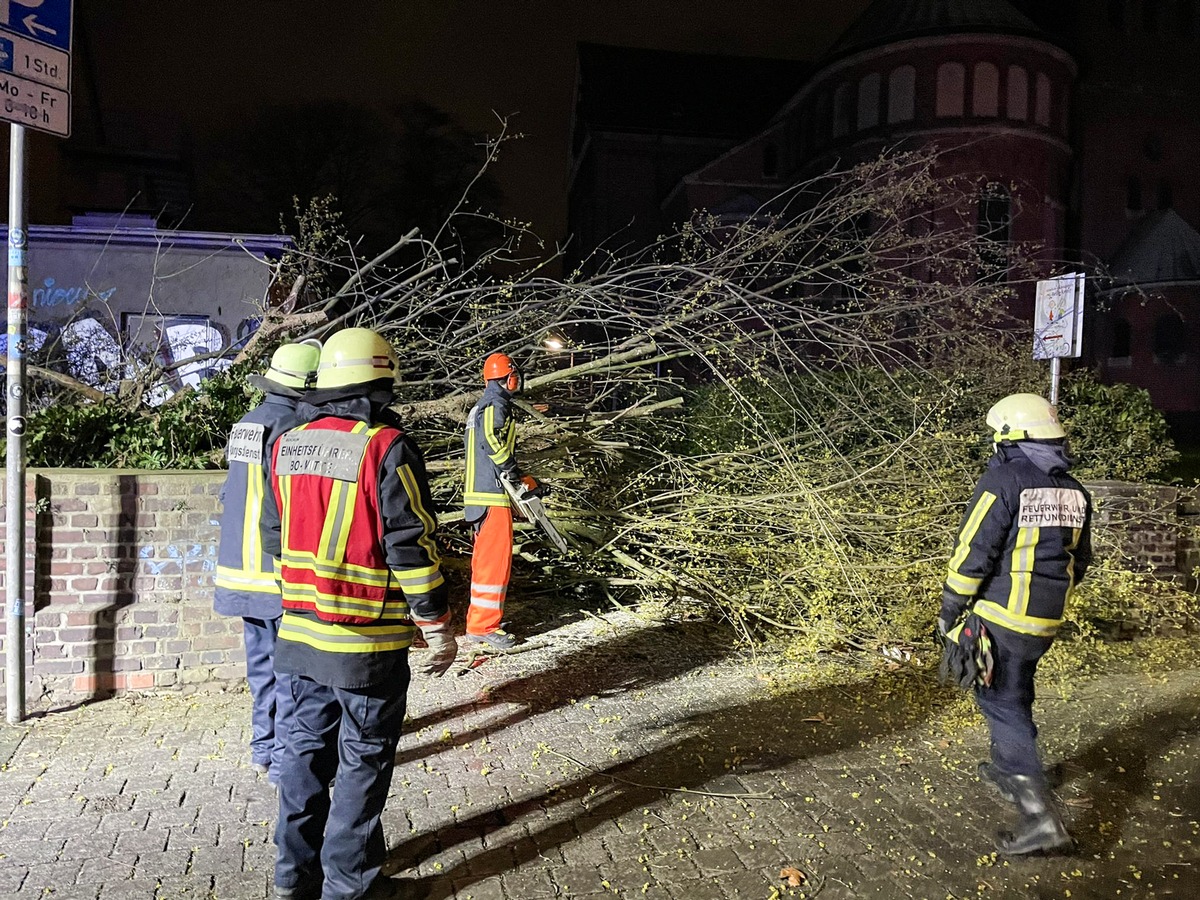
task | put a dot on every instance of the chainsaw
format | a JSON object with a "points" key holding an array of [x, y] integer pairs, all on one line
{"points": [[531, 507]]}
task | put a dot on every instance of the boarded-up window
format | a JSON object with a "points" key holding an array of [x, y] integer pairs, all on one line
{"points": [[985, 94], [1018, 93], [868, 100], [1041, 103], [843, 109], [902, 85], [951, 78]]}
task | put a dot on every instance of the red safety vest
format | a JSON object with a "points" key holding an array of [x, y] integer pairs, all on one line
{"points": [[326, 482]]}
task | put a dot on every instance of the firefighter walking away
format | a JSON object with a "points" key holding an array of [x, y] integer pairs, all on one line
{"points": [[1023, 546]]}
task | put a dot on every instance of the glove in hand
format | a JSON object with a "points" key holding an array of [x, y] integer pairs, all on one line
{"points": [[440, 657]]}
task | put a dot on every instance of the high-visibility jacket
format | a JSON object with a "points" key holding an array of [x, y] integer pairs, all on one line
{"points": [[353, 528], [245, 579], [489, 440], [1023, 546]]}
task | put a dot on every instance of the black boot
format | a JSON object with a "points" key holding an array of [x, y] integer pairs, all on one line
{"points": [[989, 774], [1041, 829]]}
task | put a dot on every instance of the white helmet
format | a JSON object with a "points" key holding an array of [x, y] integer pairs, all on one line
{"points": [[1020, 417]]}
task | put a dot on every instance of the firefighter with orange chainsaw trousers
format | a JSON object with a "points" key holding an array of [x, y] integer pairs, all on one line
{"points": [[490, 438], [1023, 546], [245, 580], [352, 524]]}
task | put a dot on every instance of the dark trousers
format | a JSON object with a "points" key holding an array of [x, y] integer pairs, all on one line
{"points": [[1007, 704], [271, 712], [350, 734]]}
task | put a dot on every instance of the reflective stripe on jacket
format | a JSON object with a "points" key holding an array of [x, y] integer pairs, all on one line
{"points": [[333, 562], [351, 518], [245, 578], [1023, 546], [489, 440]]}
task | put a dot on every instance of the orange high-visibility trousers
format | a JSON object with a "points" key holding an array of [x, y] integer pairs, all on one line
{"points": [[491, 568]]}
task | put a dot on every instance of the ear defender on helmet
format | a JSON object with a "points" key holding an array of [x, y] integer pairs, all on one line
{"points": [[500, 366]]}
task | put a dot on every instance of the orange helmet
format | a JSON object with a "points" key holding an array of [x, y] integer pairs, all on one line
{"points": [[500, 365]]}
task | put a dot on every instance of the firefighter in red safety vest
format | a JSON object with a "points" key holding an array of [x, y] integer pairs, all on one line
{"points": [[489, 441], [352, 525], [1023, 546], [246, 585]]}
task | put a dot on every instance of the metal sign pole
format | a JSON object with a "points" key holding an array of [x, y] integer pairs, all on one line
{"points": [[1055, 373], [18, 300]]}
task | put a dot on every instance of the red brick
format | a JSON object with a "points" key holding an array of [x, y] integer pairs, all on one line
{"points": [[66, 568]]}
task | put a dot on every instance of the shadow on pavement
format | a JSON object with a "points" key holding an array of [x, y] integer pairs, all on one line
{"points": [[760, 735], [632, 661], [1117, 764]]}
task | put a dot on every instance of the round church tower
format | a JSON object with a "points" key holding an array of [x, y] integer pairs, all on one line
{"points": [[975, 78]]}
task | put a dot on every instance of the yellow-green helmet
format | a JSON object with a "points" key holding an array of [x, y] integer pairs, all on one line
{"points": [[356, 356], [1020, 417], [293, 367]]}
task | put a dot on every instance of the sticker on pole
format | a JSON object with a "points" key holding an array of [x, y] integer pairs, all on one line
{"points": [[1058, 317]]}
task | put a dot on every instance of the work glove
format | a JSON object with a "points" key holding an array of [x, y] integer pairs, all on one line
{"points": [[442, 650], [967, 659]]}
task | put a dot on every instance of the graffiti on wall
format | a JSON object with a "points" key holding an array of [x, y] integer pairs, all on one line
{"points": [[191, 348]]}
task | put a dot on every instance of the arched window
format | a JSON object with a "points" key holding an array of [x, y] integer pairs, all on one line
{"points": [[868, 100], [902, 84], [1122, 340], [985, 93], [951, 78], [843, 109], [770, 160], [1170, 340], [1133, 194], [1041, 101], [994, 228], [1018, 93]]}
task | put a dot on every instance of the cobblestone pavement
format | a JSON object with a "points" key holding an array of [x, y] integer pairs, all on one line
{"points": [[622, 758]]}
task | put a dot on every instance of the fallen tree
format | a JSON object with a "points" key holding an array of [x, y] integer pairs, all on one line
{"points": [[775, 420]]}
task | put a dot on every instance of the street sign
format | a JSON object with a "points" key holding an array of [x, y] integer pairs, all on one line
{"points": [[35, 64], [1058, 317], [47, 21]]}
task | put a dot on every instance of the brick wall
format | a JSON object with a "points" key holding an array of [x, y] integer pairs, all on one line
{"points": [[119, 586]]}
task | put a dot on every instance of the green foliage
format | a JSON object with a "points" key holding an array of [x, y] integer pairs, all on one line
{"points": [[1116, 431], [187, 433], [826, 503]]}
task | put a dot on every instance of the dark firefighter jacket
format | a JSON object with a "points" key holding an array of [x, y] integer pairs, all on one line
{"points": [[245, 583], [351, 522], [1024, 542], [489, 440]]}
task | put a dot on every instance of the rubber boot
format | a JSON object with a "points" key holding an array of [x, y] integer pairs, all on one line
{"points": [[1041, 829], [992, 776]]}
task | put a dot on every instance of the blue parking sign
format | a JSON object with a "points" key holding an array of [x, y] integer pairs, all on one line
{"points": [[45, 21]]}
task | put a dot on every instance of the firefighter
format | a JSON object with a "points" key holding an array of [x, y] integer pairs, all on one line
{"points": [[350, 518], [1023, 546], [490, 438], [245, 578]]}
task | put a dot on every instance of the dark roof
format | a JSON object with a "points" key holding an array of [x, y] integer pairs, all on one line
{"points": [[1162, 248], [625, 89], [890, 21]]}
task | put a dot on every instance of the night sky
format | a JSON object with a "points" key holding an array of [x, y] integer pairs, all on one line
{"points": [[214, 63]]}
